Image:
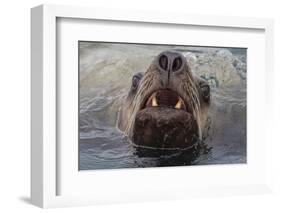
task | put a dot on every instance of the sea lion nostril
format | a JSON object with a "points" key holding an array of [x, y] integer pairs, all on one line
{"points": [[163, 62], [176, 64]]}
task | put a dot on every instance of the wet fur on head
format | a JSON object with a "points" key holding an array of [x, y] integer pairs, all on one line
{"points": [[185, 83]]}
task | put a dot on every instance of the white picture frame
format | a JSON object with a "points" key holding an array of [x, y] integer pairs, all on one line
{"points": [[45, 166]]}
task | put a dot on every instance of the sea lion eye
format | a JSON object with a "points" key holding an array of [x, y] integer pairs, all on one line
{"points": [[135, 82], [205, 89]]}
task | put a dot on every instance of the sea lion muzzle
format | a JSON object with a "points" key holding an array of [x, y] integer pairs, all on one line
{"points": [[166, 106], [165, 122]]}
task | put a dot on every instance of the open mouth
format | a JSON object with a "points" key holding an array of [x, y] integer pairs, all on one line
{"points": [[166, 98], [165, 122]]}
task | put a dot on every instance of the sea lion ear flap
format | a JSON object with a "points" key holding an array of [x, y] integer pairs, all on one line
{"points": [[205, 89]]}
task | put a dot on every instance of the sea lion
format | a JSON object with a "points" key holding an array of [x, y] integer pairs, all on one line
{"points": [[167, 105]]}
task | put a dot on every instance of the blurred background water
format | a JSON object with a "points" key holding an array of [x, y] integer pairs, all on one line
{"points": [[106, 70]]}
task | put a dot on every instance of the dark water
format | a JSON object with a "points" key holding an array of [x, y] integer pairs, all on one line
{"points": [[105, 76]]}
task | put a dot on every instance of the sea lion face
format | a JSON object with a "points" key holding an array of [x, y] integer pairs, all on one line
{"points": [[166, 106]]}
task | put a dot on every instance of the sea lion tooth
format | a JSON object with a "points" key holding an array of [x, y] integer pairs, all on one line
{"points": [[178, 105], [154, 101]]}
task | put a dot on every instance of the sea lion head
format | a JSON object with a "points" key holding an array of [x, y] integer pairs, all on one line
{"points": [[166, 106]]}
